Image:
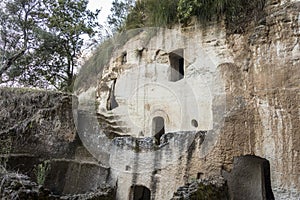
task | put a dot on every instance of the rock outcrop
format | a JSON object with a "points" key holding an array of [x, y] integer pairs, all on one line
{"points": [[213, 188], [171, 106], [16, 186], [38, 138], [241, 88]]}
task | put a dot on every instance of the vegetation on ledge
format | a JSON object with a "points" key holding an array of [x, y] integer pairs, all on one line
{"points": [[146, 13]]}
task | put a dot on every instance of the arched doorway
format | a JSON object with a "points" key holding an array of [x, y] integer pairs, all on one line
{"points": [[140, 192], [158, 128]]}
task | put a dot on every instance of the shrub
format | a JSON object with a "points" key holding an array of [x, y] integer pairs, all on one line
{"points": [[41, 171]]}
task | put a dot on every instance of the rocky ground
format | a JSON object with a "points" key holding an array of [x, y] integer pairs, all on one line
{"points": [[211, 189], [15, 186]]}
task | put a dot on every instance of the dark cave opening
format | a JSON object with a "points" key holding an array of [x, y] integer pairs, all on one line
{"points": [[158, 128], [140, 192], [177, 65], [112, 102], [250, 178]]}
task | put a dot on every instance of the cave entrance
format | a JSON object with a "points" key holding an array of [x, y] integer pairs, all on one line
{"points": [[112, 103], [140, 192], [176, 65], [250, 179], [124, 58], [158, 128]]}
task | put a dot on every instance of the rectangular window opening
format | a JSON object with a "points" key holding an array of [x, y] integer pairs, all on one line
{"points": [[176, 65]]}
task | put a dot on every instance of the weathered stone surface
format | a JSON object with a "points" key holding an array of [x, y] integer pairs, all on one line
{"points": [[258, 73], [75, 177], [252, 109], [38, 128], [212, 188], [15, 186], [40, 123], [265, 122], [18, 186]]}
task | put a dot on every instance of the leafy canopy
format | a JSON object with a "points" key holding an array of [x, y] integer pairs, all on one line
{"points": [[41, 40]]}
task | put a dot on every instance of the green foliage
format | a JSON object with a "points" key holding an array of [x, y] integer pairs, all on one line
{"points": [[165, 13], [204, 10], [136, 17], [161, 13], [210, 192], [40, 40], [41, 171], [119, 10], [186, 9], [155, 13], [236, 13]]}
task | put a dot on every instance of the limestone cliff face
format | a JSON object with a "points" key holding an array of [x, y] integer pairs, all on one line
{"points": [[172, 106], [262, 87], [257, 72]]}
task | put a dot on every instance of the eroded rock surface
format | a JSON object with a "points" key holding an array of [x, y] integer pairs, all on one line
{"points": [[16, 186], [251, 111], [212, 188], [255, 73], [38, 138]]}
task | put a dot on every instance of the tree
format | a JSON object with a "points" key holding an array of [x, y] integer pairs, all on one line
{"points": [[18, 25], [42, 39], [120, 9]]}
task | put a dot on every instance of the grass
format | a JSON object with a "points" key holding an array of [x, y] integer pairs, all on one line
{"points": [[236, 13], [147, 13], [41, 171]]}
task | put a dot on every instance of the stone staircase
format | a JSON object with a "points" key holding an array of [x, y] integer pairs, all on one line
{"points": [[112, 125]]}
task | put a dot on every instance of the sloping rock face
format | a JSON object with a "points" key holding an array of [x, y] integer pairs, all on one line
{"points": [[38, 138]]}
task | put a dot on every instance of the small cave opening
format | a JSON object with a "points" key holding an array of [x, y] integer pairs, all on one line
{"points": [[199, 175], [158, 128], [111, 101], [176, 65], [250, 179], [194, 123], [124, 58], [140, 192]]}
